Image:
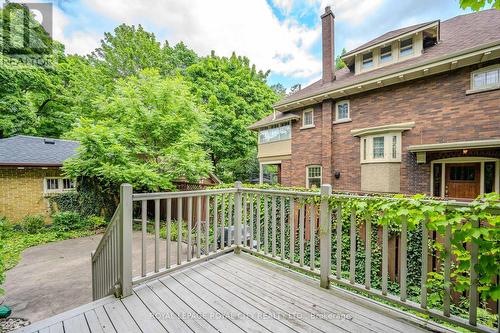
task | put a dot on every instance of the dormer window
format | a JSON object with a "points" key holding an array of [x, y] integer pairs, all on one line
{"points": [[386, 53], [406, 47], [368, 60]]}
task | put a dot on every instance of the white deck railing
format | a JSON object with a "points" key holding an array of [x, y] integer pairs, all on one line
{"points": [[279, 225]]}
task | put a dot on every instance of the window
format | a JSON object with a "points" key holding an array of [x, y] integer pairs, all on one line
{"points": [[386, 53], [364, 149], [54, 185], [276, 132], [378, 147], [485, 78], [489, 177], [314, 176], [367, 60], [394, 146], [437, 179], [462, 173], [342, 108], [406, 47], [308, 118]]}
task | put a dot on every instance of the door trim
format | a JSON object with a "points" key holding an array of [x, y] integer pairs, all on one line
{"points": [[468, 159]]}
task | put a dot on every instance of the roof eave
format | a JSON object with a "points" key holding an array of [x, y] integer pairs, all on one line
{"points": [[273, 122], [22, 164], [453, 58]]}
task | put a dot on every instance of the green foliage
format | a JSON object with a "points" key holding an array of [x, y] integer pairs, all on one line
{"points": [[477, 5], [339, 63], [66, 221], [146, 134], [32, 224], [233, 95]]}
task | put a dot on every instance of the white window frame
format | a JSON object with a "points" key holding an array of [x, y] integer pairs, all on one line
{"points": [[304, 125], [320, 174], [388, 148], [486, 87], [402, 49], [381, 56], [342, 120], [370, 61], [60, 185]]}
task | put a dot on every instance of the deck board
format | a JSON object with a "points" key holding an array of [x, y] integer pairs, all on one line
{"points": [[231, 293]]}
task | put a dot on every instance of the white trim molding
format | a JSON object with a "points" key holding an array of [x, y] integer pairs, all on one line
{"points": [[383, 129], [492, 143]]}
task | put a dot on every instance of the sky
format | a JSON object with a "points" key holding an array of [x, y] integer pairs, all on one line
{"points": [[282, 36]]}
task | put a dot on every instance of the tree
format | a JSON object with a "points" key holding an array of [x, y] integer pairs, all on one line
{"points": [[234, 95], [339, 63], [279, 89], [147, 133], [477, 5]]}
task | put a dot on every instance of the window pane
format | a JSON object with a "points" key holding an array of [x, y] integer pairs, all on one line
{"points": [[367, 60], [406, 47], [52, 184], [479, 80], [343, 111], [285, 132], [364, 149], [436, 184], [394, 146], [462, 173], [68, 184], [489, 177], [492, 77], [378, 147], [386, 53], [314, 172], [308, 118], [314, 182]]}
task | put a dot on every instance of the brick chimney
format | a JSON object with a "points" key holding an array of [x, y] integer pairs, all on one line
{"points": [[327, 43]]}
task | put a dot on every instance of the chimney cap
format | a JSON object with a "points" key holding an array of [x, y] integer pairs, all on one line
{"points": [[328, 11]]}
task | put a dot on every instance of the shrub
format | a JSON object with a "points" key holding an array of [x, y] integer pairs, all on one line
{"points": [[32, 224], [5, 226], [66, 221], [96, 222]]}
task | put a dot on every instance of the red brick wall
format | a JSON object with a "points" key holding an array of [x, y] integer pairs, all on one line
{"points": [[438, 105]]}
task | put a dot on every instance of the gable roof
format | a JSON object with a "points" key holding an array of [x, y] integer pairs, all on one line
{"points": [[459, 35], [389, 35], [24, 150], [274, 118]]}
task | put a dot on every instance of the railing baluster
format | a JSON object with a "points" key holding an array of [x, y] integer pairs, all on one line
{"points": [[237, 216], [244, 240], [168, 232], [258, 222], [282, 227], [207, 225], [368, 251], [292, 231], [423, 273], [352, 249], [223, 222], [230, 203], [189, 227], [144, 235], [301, 234], [216, 221], [251, 220], [473, 296], [312, 235], [339, 242], [266, 225], [403, 256], [447, 271], [157, 235], [385, 257], [198, 227], [179, 230], [273, 226], [325, 237]]}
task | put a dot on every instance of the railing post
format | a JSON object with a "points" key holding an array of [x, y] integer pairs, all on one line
{"points": [[237, 216], [325, 234], [125, 228]]}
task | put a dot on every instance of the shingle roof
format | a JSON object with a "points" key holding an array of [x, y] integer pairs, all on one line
{"points": [[36, 151], [273, 118], [389, 35], [458, 34]]}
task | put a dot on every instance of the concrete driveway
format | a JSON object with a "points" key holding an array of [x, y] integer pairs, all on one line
{"points": [[56, 277]]}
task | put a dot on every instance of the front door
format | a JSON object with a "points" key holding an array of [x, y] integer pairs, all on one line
{"points": [[462, 180]]}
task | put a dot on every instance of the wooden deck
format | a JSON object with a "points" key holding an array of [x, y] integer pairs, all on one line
{"points": [[232, 293]]}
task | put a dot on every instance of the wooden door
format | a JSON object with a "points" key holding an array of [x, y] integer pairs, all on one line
{"points": [[462, 180]]}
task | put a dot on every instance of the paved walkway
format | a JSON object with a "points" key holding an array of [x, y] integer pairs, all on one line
{"points": [[56, 277]]}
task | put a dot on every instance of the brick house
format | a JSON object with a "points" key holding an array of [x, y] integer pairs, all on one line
{"points": [[417, 110], [30, 170]]}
